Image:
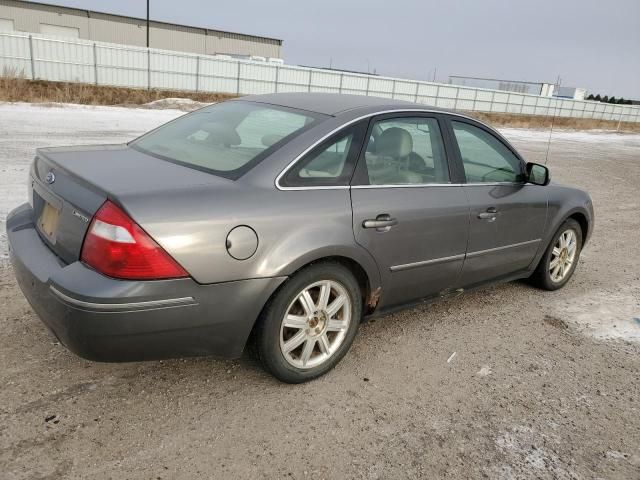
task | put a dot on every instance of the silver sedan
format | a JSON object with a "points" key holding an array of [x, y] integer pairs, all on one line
{"points": [[281, 222]]}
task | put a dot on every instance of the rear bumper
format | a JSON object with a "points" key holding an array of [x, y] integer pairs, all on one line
{"points": [[105, 319]]}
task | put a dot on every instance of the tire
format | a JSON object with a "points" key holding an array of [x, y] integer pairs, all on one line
{"points": [[544, 277], [326, 332]]}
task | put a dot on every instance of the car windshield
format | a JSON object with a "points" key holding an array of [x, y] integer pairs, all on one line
{"points": [[227, 139]]}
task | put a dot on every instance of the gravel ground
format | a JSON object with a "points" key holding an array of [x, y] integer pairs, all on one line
{"points": [[542, 385]]}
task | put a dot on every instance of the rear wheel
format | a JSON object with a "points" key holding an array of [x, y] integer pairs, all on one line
{"points": [[309, 325], [561, 257]]}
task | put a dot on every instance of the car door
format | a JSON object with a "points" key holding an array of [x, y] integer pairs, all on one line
{"points": [[407, 211], [507, 215]]}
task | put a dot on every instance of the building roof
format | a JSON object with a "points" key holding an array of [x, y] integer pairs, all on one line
{"points": [[88, 14]]}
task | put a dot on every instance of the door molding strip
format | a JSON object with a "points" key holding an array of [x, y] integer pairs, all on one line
{"points": [[435, 261], [477, 253]]}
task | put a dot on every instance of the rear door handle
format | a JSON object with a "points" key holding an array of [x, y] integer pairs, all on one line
{"points": [[382, 222]]}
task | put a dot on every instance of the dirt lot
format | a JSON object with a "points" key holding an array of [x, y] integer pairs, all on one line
{"points": [[542, 385]]}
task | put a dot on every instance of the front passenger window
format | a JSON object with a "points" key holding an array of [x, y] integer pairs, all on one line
{"points": [[484, 157]]}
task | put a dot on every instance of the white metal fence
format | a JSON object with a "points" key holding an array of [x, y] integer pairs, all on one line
{"points": [[47, 58]]}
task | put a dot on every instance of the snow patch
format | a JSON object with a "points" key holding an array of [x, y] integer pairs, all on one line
{"points": [[529, 455], [605, 315], [184, 104], [26, 126], [581, 136]]}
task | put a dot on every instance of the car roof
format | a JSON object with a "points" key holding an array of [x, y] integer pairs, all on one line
{"points": [[333, 103]]}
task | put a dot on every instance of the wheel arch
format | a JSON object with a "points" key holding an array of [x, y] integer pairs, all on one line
{"points": [[365, 272], [580, 215], [358, 271], [582, 220], [364, 276]]}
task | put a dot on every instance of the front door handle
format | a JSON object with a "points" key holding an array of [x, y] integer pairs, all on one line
{"points": [[490, 214], [382, 222]]}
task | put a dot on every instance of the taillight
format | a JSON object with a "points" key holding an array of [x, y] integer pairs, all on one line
{"points": [[116, 246]]}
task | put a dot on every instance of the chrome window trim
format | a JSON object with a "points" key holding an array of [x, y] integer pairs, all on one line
{"points": [[123, 307], [317, 187], [407, 185], [351, 122], [417, 185], [479, 184]]}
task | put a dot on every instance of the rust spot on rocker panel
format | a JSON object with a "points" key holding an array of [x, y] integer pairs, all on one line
{"points": [[374, 298]]}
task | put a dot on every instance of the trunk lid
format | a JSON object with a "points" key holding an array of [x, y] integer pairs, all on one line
{"points": [[69, 184]]}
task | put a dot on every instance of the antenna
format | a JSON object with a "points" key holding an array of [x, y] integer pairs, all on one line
{"points": [[553, 120]]}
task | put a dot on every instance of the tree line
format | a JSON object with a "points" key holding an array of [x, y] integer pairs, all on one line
{"points": [[606, 99]]}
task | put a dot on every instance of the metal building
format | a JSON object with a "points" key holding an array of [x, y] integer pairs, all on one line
{"points": [[31, 17], [571, 92], [529, 88]]}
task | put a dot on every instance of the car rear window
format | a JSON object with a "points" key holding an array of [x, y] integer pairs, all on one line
{"points": [[226, 139]]}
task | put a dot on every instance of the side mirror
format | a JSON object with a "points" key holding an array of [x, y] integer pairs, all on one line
{"points": [[538, 174]]}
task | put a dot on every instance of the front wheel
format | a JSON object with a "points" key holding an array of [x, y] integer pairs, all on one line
{"points": [[309, 325], [561, 257]]}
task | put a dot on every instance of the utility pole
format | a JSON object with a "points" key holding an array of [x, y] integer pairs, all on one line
{"points": [[147, 23]]}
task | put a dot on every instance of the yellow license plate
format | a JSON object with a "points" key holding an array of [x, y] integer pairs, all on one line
{"points": [[48, 222]]}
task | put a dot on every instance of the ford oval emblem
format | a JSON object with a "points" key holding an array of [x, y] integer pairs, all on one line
{"points": [[50, 178]]}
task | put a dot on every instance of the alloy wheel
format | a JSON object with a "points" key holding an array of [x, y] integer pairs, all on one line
{"points": [[563, 255], [315, 324]]}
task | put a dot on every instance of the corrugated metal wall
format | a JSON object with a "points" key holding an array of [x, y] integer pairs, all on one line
{"points": [[177, 38], [27, 19], [235, 44], [129, 31], [101, 27], [40, 57]]}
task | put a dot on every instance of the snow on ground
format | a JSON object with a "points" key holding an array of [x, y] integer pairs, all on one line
{"points": [[607, 315], [573, 139], [185, 104], [25, 127]]}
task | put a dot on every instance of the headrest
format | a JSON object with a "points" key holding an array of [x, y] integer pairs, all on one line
{"points": [[394, 142], [221, 134]]}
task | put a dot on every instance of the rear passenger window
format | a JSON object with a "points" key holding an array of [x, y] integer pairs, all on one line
{"points": [[330, 164], [406, 150], [484, 157]]}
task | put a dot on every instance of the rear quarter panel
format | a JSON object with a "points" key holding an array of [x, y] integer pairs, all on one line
{"points": [[293, 229]]}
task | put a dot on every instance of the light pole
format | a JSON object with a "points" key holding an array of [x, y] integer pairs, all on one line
{"points": [[147, 23]]}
